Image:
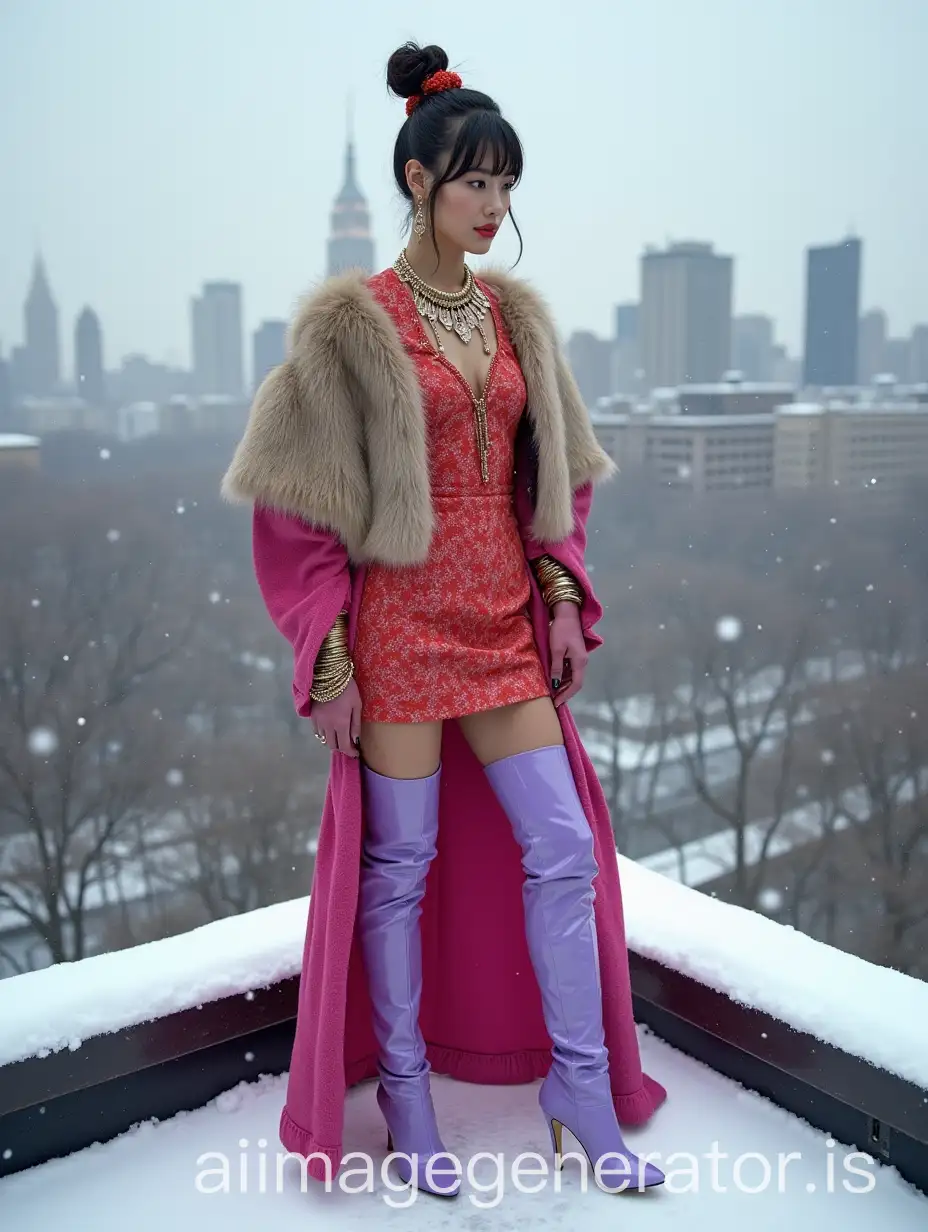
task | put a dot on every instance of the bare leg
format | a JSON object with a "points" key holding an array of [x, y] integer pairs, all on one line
{"points": [[401, 750], [493, 734]]}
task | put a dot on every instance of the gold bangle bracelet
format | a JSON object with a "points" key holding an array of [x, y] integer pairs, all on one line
{"points": [[333, 667], [557, 583]]}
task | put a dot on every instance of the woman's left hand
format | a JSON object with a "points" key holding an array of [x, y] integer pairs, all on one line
{"points": [[567, 643]]}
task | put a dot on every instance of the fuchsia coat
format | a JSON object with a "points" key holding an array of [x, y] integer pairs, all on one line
{"points": [[481, 1012], [299, 464]]}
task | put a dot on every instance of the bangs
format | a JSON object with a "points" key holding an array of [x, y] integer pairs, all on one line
{"points": [[485, 139]]}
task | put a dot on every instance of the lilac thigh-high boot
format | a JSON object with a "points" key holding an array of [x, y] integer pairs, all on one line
{"points": [[537, 792], [401, 831]]}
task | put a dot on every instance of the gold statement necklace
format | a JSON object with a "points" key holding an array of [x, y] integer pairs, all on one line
{"points": [[460, 312]]}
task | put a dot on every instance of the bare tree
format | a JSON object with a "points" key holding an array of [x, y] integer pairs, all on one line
{"points": [[246, 823], [92, 608], [866, 886], [743, 655]]}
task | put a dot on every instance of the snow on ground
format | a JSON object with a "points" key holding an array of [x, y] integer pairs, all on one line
{"points": [[726, 1153], [867, 1010], [58, 1007]]}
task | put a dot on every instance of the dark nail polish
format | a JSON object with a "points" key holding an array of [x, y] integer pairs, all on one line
{"points": [[556, 682]]}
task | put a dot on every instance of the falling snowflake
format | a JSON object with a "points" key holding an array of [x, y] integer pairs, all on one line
{"points": [[112, 535], [174, 778], [181, 507], [105, 454], [770, 899], [684, 471], [36, 602], [870, 586], [728, 628], [249, 1056], [827, 757], [42, 741], [82, 722], [214, 596]]}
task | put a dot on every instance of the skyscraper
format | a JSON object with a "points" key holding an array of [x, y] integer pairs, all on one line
{"points": [[6, 394], [88, 359], [350, 243], [269, 344], [832, 314], [42, 362], [590, 361], [685, 320], [871, 345], [216, 321], [752, 343], [625, 362]]}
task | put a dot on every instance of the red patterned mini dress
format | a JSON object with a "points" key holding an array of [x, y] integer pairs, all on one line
{"points": [[452, 635]]}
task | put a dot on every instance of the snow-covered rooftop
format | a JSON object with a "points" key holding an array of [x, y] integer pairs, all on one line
{"points": [[733, 1160], [866, 1010], [738, 387], [759, 420], [16, 440], [853, 408]]}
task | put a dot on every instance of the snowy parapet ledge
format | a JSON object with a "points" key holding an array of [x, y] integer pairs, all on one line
{"points": [[864, 1010], [59, 1007], [868, 1011]]}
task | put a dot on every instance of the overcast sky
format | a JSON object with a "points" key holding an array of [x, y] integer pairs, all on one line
{"points": [[149, 145]]}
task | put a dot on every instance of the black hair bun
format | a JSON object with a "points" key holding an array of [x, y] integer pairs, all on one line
{"points": [[409, 66]]}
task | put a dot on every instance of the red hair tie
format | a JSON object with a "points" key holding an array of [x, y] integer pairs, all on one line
{"points": [[442, 80]]}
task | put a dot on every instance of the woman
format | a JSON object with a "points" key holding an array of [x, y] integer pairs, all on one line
{"points": [[421, 469]]}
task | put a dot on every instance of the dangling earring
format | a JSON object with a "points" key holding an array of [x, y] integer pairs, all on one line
{"points": [[419, 223]]}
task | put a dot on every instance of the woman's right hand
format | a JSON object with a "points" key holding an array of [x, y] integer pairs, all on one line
{"points": [[340, 720]]}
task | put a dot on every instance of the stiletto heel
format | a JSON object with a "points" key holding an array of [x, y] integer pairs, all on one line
{"points": [[555, 1128]]}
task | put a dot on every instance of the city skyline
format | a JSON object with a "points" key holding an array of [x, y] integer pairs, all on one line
{"points": [[223, 180], [724, 343]]}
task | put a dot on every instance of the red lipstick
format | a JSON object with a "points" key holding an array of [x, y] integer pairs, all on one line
{"points": [[487, 232]]}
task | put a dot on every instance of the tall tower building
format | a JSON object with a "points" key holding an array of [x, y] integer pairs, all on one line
{"points": [[216, 324], [590, 361], [6, 394], [351, 245], [685, 319], [88, 359], [832, 314], [42, 359], [872, 330], [269, 346], [752, 343]]}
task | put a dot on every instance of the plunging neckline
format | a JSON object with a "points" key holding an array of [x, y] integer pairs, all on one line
{"points": [[477, 399]]}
